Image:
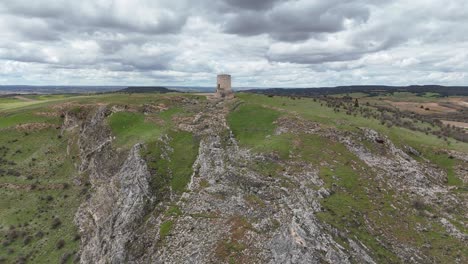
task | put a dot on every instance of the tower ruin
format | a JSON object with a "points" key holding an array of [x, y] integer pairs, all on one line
{"points": [[223, 86]]}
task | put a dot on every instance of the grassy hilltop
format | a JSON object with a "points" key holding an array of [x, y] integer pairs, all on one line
{"points": [[41, 186]]}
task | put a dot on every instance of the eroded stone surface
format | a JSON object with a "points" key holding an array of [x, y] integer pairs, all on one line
{"points": [[230, 205]]}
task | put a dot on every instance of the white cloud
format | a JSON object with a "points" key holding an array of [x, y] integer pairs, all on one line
{"points": [[180, 42]]}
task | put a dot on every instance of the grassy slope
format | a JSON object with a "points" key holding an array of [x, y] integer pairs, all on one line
{"points": [[175, 170], [251, 121], [129, 128], [37, 160], [428, 145], [355, 196], [11, 103], [256, 132], [309, 109]]}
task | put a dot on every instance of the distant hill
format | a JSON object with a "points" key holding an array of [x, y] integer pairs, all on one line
{"points": [[63, 89], [56, 89], [370, 89], [146, 89]]}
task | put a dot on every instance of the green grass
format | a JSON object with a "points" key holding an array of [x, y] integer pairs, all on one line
{"points": [[431, 95], [43, 190], [171, 167], [9, 120], [410, 97], [252, 123], [38, 155], [41, 186], [165, 229], [48, 97], [168, 114], [313, 111], [355, 199], [443, 161], [38, 101], [352, 95], [185, 147], [130, 128], [38, 214], [349, 201], [173, 210], [253, 126]]}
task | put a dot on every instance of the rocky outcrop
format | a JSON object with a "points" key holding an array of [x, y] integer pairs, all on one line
{"points": [[107, 220], [232, 210], [395, 166]]}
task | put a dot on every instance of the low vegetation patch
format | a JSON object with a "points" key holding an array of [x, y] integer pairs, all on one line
{"points": [[170, 161], [252, 123], [130, 128], [165, 229], [231, 248]]}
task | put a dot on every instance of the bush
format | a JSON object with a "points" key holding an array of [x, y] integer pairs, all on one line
{"points": [[12, 235], [27, 240], [60, 244], [56, 223], [21, 260]]}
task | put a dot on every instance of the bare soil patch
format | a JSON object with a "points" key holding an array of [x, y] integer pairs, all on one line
{"points": [[34, 126], [427, 108], [295, 125], [454, 123], [460, 101], [24, 98]]}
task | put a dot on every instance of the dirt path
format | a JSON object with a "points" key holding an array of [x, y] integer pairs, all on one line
{"points": [[24, 98]]}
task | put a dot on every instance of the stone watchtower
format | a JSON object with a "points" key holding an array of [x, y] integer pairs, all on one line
{"points": [[223, 86]]}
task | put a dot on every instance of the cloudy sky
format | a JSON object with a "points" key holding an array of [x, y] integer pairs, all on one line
{"points": [[263, 43]]}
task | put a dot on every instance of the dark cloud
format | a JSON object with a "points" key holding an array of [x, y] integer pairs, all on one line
{"points": [[252, 4], [92, 16], [297, 20]]}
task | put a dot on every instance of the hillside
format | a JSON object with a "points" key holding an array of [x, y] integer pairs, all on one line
{"points": [[181, 178], [373, 90], [145, 89]]}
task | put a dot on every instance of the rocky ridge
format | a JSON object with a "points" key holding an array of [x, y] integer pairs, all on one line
{"points": [[232, 211]]}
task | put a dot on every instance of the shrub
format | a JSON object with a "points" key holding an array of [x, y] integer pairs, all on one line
{"points": [[21, 260], [12, 234], [27, 240], [56, 222], [60, 244]]}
